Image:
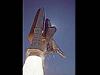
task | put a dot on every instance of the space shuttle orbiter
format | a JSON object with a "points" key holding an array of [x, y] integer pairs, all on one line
{"points": [[41, 37]]}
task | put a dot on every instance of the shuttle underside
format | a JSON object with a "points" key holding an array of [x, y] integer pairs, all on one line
{"points": [[41, 37]]}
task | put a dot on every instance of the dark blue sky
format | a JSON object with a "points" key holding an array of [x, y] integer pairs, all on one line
{"points": [[61, 14]]}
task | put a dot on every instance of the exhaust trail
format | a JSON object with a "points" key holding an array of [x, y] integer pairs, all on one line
{"points": [[33, 66]]}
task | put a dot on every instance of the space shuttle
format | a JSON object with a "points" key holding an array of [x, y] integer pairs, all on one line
{"points": [[41, 38]]}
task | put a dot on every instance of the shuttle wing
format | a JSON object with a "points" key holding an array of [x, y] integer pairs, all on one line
{"points": [[57, 49], [53, 48]]}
